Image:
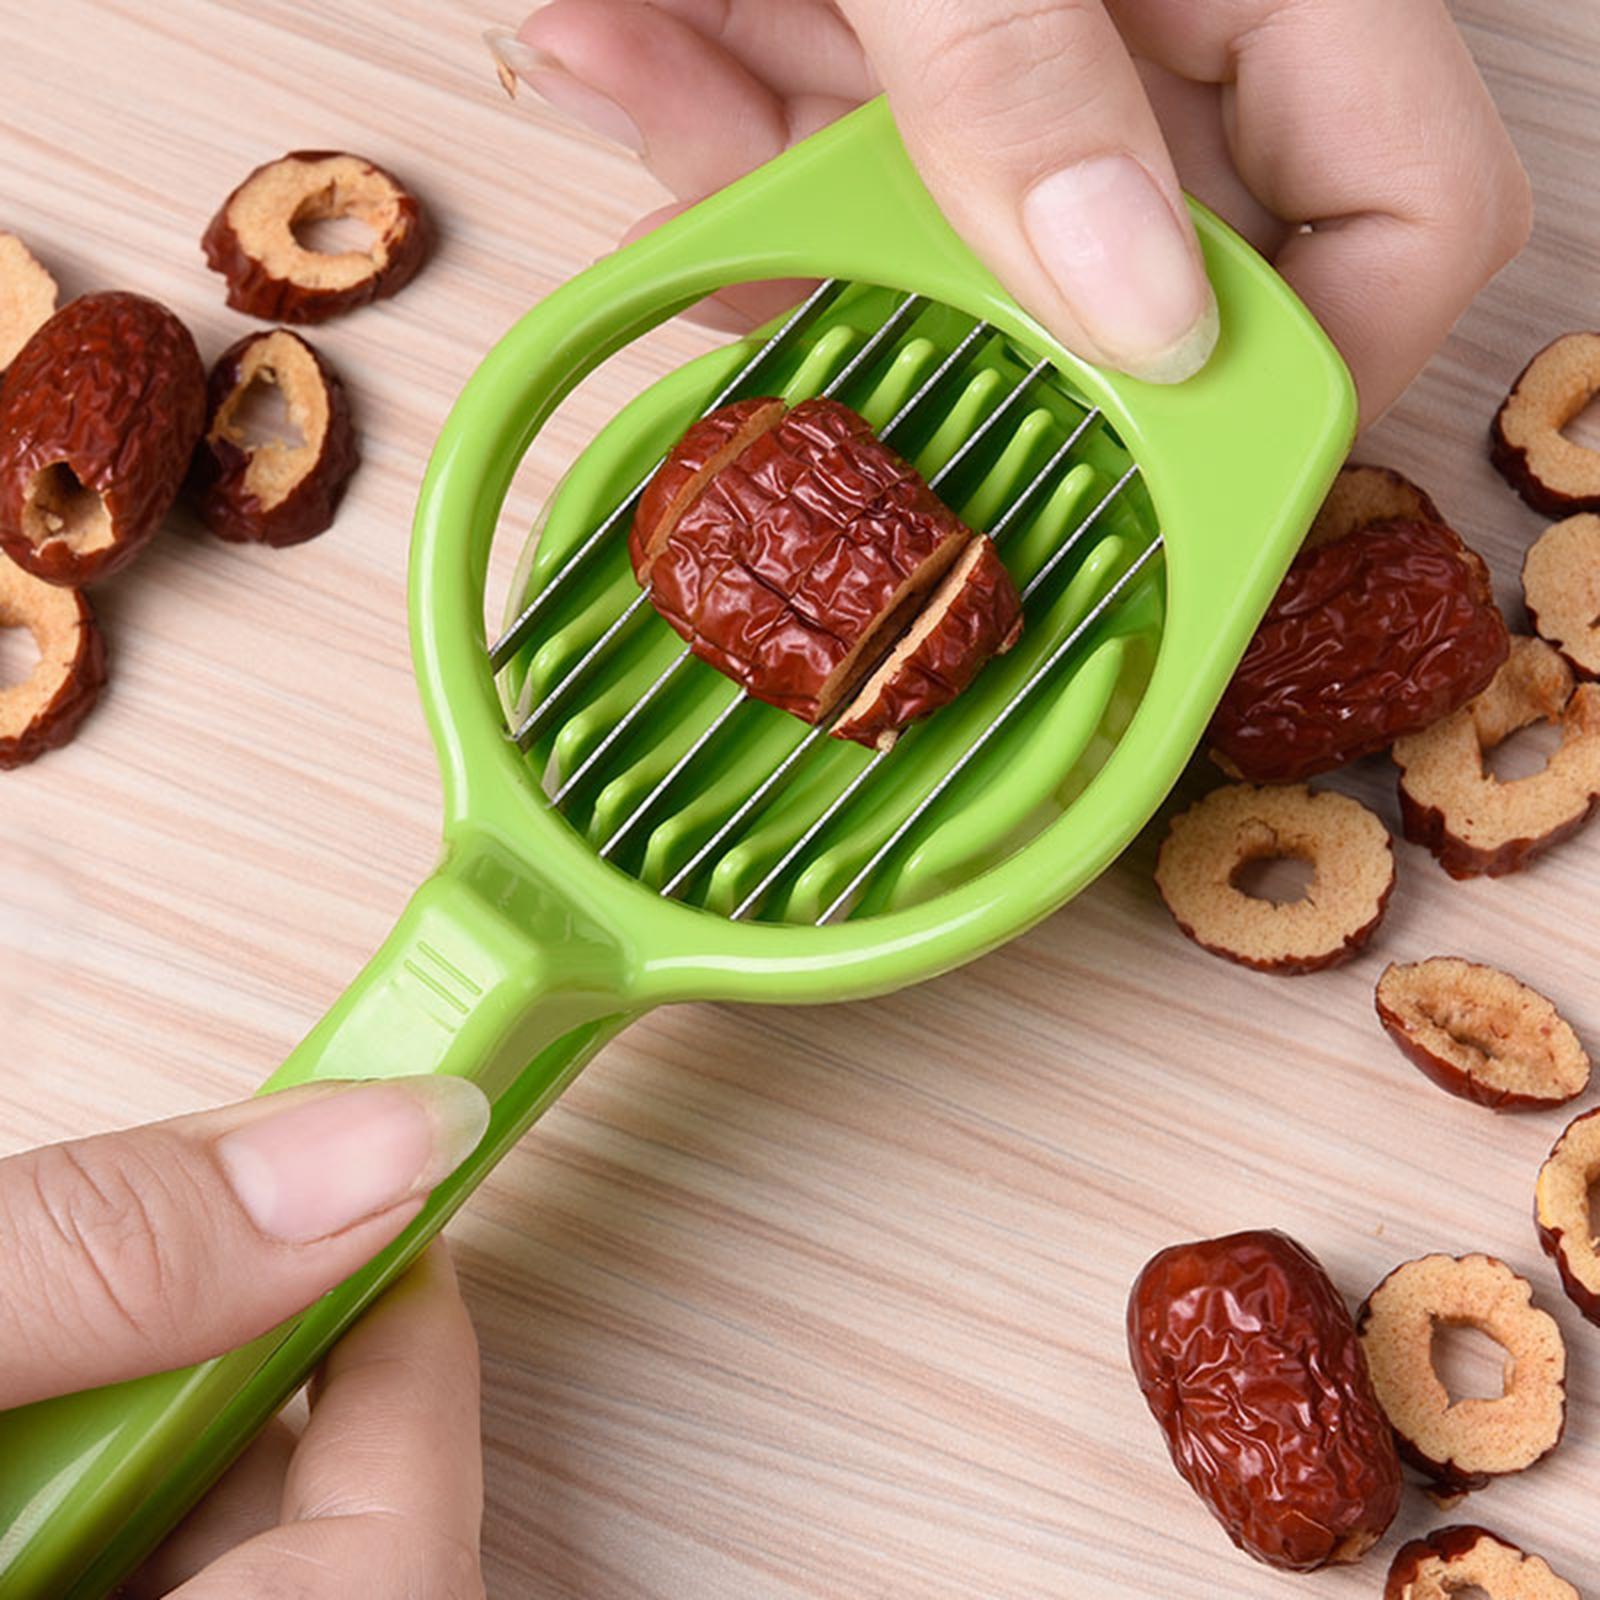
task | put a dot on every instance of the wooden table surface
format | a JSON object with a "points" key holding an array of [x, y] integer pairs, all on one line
{"points": [[775, 1303]]}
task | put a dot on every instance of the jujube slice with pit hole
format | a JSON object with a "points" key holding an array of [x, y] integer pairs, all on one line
{"points": [[1249, 1362], [1474, 822], [272, 491], [1481, 1034], [1561, 589], [99, 415], [1461, 1444], [27, 297], [1553, 473], [1464, 1557], [46, 709], [1370, 636], [271, 275], [795, 557], [1561, 1210], [1208, 845]]}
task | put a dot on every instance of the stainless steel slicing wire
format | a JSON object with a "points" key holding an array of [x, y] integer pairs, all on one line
{"points": [[747, 381]]}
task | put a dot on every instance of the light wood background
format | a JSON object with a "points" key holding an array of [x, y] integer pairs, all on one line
{"points": [[774, 1304]]}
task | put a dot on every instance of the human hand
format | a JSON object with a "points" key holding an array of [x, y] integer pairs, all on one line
{"points": [[1351, 141], [140, 1251]]}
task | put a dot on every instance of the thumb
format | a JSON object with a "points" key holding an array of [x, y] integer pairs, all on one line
{"points": [[1031, 128], [136, 1252]]}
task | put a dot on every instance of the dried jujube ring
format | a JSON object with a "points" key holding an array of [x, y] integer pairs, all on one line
{"points": [[1482, 1034], [1553, 473], [792, 550], [1463, 1558], [27, 297], [44, 711], [272, 275], [1561, 589], [1210, 844], [273, 491], [1474, 822], [1364, 494], [1561, 1209], [1250, 1364], [1370, 637], [975, 614], [1461, 1444], [99, 415]]}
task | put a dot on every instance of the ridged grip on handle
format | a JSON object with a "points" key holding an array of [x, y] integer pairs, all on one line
{"points": [[483, 975]]}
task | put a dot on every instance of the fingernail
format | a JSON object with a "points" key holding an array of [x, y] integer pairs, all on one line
{"points": [[559, 88], [1107, 235], [329, 1161]]}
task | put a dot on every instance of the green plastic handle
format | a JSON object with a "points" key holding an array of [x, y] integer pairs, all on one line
{"points": [[90, 1483]]}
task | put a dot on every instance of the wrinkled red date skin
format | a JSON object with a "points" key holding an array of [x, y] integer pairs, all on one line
{"points": [[216, 481], [111, 385], [1370, 637], [789, 556], [715, 440], [1249, 1361]]}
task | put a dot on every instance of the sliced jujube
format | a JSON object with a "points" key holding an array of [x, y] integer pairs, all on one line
{"points": [[800, 558], [1471, 819], [1482, 1034], [1465, 1558], [46, 709], [974, 615], [717, 439], [272, 491], [270, 274]]}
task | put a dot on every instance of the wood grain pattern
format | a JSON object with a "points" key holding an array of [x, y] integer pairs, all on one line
{"points": [[774, 1304]]}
